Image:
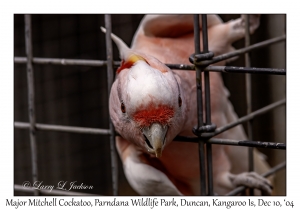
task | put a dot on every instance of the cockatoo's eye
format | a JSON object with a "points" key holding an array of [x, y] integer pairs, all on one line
{"points": [[179, 101], [123, 108]]}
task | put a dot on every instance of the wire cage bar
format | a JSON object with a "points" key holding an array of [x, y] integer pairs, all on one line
{"points": [[110, 79], [97, 63], [202, 163], [199, 65], [208, 122], [243, 50], [248, 97], [31, 107], [63, 128]]}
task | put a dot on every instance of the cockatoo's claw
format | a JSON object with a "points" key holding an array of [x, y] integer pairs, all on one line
{"points": [[252, 180]]}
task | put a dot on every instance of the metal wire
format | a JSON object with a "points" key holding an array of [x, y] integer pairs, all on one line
{"points": [[250, 70], [225, 69], [245, 118], [210, 190], [64, 128], [199, 107], [65, 62], [245, 143], [31, 101], [243, 50], [110, 78], [248, 97]]}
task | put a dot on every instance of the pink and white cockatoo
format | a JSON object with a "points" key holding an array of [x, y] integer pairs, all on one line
{"points": [[151, 104]]}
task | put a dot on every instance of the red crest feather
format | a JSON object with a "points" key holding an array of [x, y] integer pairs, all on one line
{"points": [[154, 114]]}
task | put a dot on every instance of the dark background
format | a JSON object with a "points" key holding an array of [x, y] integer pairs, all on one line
{"points": [[77, 96]]}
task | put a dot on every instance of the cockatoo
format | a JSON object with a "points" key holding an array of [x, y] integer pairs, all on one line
{"points": [[151, 104]]}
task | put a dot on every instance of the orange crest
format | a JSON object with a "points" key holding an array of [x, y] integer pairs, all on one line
{"points": [[127, 64]]}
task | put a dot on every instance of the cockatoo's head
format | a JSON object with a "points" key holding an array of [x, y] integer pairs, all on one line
{"points": [[146, 105]]}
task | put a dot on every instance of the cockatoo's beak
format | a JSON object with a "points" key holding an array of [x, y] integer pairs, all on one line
{"points": [[155, 138]]}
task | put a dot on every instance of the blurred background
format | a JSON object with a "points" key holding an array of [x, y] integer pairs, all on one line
{"points": [[78, 96]]}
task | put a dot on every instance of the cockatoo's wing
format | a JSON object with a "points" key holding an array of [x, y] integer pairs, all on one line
{"points": [[143, 177], [171, 26]]}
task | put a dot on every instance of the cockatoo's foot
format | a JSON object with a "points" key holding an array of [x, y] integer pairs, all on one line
{"points": [[252, 180]]}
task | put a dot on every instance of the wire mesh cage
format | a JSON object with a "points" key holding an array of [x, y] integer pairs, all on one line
{"points": [[64, 67]]}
